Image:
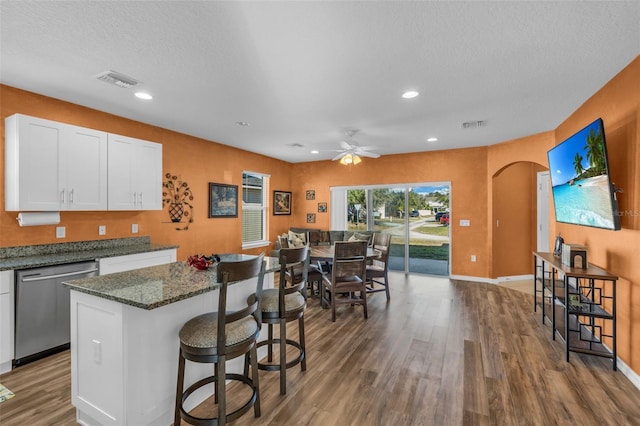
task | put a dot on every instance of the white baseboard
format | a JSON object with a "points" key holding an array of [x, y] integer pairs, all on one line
{"points": [[475, 279], [514, 278], [633, 377], [492, 280]]}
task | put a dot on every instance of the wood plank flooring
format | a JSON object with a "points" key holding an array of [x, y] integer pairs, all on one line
{"points": [[441, 352]]}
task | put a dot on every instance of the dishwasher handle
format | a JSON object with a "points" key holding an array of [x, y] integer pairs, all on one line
{"points": [[67, 274]]}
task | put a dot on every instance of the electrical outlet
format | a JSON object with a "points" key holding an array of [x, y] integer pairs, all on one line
{"points": [[102, 230], [60, 232], [134, 228], [465, 222], [473, 257]]}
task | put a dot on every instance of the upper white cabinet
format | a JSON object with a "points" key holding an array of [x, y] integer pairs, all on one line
{"points": [[51, 166], [135, 174]]}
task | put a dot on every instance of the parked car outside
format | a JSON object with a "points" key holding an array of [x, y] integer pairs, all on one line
{"points": [[415, 213], [444, 219], [439, 215]]}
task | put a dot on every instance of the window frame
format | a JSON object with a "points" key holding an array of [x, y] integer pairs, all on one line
{"points": [[264, 207]]}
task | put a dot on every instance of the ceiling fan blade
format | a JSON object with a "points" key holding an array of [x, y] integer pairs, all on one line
{"points": [[367, 148], [368, 154], [345, 145], [339, 156]]}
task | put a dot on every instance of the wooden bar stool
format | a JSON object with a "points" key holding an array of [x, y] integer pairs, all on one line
{"points": [[285, 304], [216, 337]]}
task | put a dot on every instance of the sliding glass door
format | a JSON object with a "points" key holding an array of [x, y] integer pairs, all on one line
{"points": [[416, 216]]}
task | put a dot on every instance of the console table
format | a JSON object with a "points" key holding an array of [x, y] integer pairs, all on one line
{"points": [[581, 304]]}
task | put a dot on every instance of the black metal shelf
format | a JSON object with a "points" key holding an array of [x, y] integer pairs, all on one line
{"points": [[588, 322]]}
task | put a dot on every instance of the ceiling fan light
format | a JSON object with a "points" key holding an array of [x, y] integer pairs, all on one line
{"points": [[346, 159], [356, 159]]}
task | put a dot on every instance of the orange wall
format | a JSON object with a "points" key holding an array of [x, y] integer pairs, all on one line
{"points": [[464, 168], [470, 172], [618, 103], [514, 219], [196, 161]]}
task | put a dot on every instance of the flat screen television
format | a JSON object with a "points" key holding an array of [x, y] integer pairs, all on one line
{"points": [[582, 190]]}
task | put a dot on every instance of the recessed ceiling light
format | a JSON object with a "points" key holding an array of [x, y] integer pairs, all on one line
{"points": [[410, 94], [242, 123], [432, 140], [315, 151], [142, 95]]}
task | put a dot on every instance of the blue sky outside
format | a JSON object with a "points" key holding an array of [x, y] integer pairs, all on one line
{"points": [[423, 190]]}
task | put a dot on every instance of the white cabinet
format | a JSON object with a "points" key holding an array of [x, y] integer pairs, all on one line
{"points": [[6, 320], [124, 360], [109, 265], [51, 166], [135, 174]]}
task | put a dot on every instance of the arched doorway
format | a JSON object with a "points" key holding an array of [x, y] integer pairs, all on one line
{"points": [[514, 219]]}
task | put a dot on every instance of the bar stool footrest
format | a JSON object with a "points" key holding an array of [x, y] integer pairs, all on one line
{"points": [[276, 367], [234, 415]]}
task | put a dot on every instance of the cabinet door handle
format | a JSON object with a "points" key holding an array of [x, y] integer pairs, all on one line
{"points": [[62, 196], [71, 196], [141, 200], [135, 198]]}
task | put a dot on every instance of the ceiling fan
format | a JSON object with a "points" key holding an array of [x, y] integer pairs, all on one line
{"points": [[351, 152]]}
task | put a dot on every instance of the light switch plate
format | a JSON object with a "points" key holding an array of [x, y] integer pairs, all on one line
{"points": [[465, 222], [102, 230], [134, 228]]}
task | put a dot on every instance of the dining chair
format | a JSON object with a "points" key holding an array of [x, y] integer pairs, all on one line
{"points": [[378, 269], [217, 337], [282, 305], [346, 284]]}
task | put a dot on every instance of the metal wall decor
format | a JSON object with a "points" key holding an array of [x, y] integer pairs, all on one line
{"points": [[177, 195]]}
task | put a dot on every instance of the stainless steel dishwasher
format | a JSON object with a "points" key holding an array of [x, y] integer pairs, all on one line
{"points": [[42, 325]]}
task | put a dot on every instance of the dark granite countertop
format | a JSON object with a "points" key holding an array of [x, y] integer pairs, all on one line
{"points": [[57, 254], [155, 286]]}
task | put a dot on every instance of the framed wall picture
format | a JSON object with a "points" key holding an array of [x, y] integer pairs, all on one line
{"points": [[322, 207], [311, 194], [223, 200], [281, 202], [311, 218]]}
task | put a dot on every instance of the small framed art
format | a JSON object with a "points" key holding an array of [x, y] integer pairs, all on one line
{"points": [[281, 202], [322, 207], [223, 200], [311, 194], [311, 218]]}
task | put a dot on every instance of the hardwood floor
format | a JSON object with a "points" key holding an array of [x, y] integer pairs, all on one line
{"points": [[440, 353]]}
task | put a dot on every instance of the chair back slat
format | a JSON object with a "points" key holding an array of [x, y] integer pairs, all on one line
{"points": [[294, 269], [230, 271], [349, 260], [382, 243]]}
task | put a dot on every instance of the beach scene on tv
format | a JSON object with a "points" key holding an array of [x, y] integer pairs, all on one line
{"points": [[580, 184]]}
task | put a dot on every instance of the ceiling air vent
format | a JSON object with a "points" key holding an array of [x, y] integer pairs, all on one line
{"points": [[117, 79], [472, 124], [295, 145]]}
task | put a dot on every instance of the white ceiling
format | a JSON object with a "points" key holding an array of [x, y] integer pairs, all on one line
{"points": [[304, 72]]}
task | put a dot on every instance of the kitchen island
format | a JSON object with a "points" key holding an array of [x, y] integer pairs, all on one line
{"points": [[124, 339]]}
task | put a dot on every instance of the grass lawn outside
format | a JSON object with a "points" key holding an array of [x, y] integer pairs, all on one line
{"points": [[436, 252], [418, 248]]}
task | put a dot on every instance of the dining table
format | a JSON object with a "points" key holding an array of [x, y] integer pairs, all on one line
{"points": [[325, 253]]}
